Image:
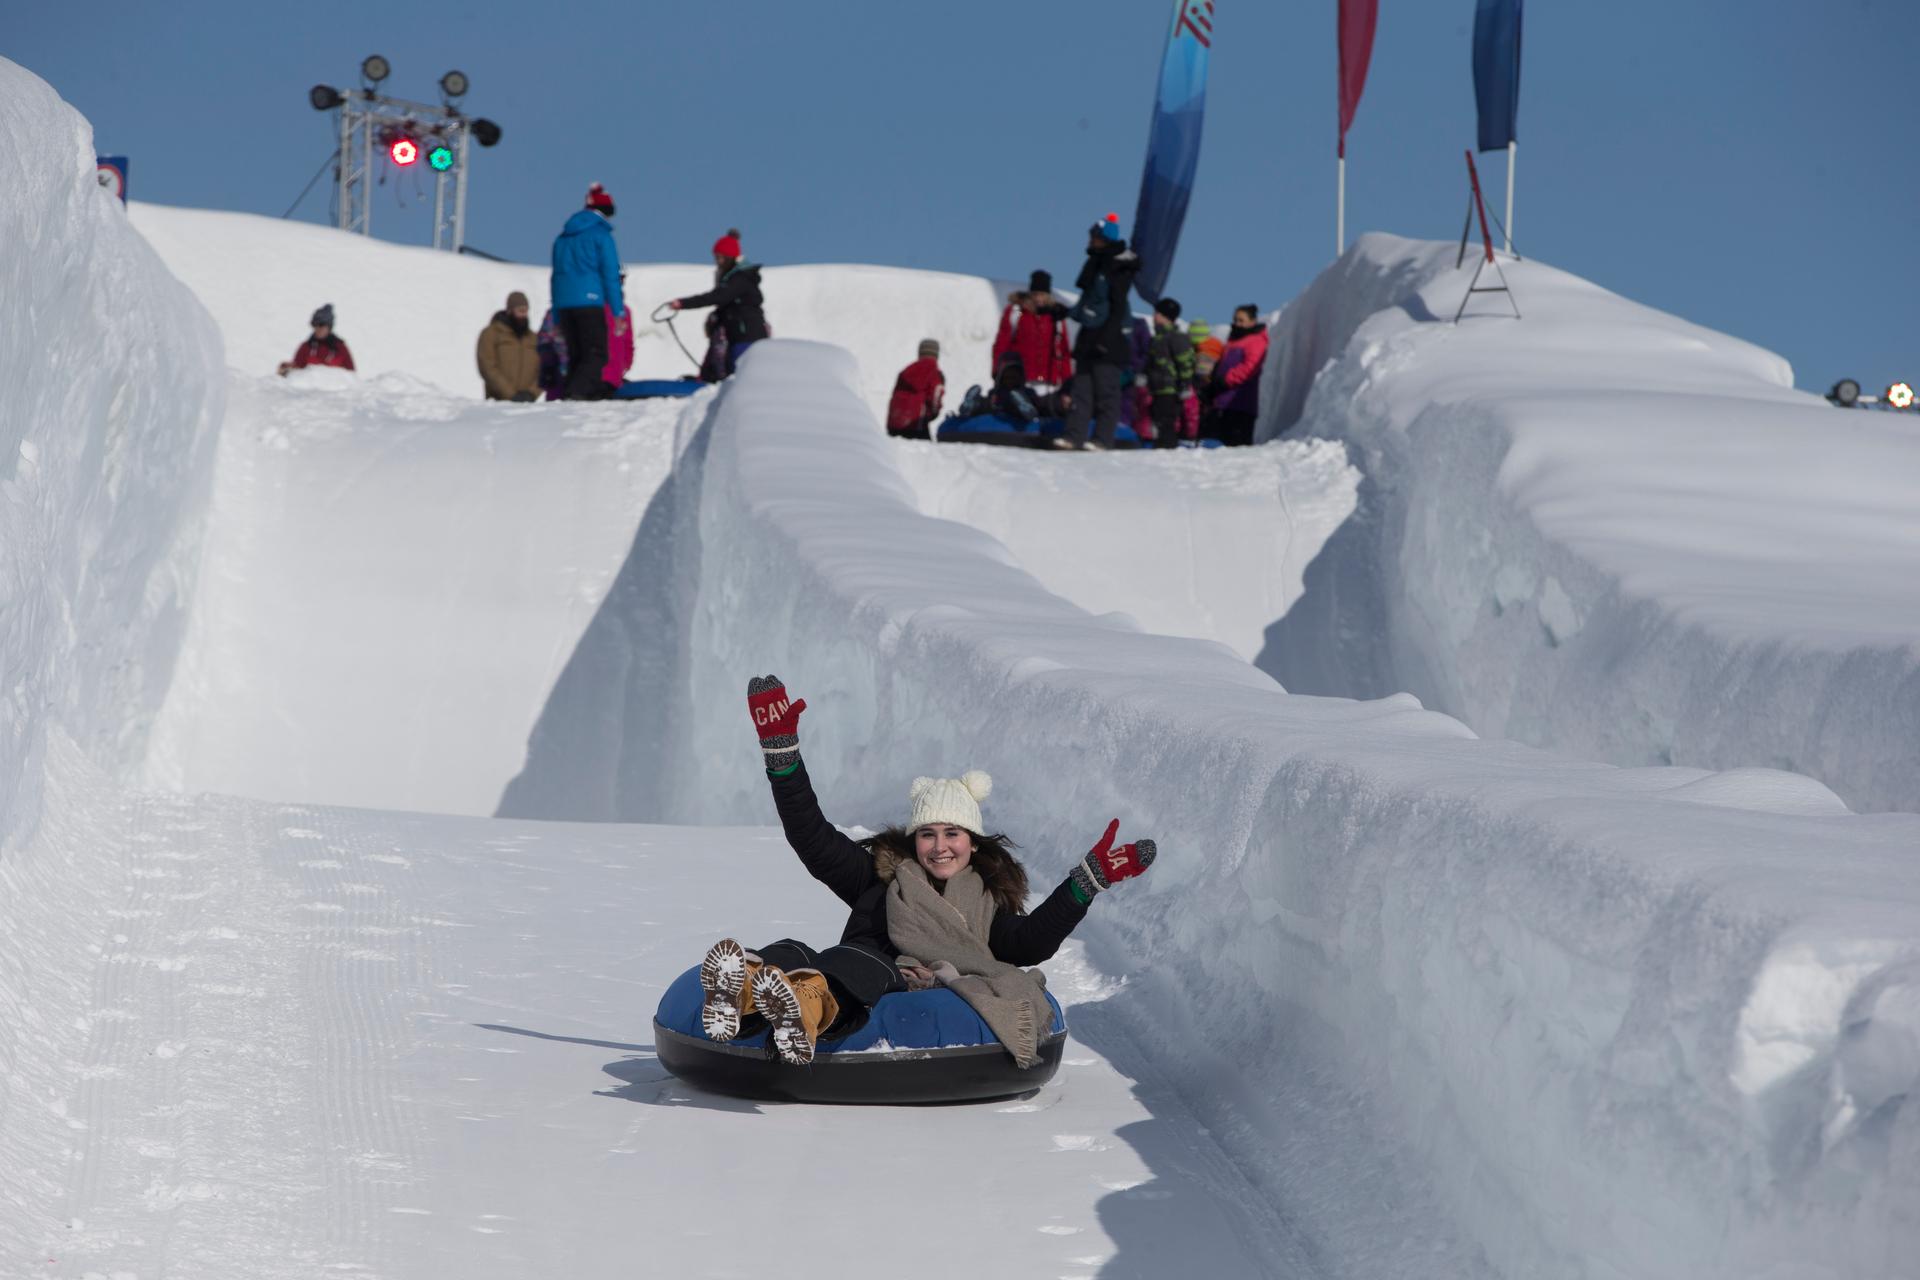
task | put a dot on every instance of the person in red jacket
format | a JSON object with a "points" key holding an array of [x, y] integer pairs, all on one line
{"points": [[917, 395], [324, 347], [1035, 326]]}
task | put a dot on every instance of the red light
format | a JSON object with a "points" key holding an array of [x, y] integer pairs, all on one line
{"points": [[405, 151]]}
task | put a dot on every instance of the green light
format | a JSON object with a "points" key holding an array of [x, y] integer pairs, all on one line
{"points": [[441, 158]]}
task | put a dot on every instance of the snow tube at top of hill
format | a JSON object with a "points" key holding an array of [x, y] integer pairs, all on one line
{"points": [[658, 388], [915, 1046], [994, 429]]}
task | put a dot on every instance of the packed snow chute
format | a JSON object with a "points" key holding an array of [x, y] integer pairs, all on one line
{"points": [[913, 1047]]}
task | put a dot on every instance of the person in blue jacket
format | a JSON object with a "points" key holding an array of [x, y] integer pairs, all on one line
{"points": [[586, 283]]}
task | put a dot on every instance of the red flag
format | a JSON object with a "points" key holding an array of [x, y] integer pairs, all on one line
{"points": [[1356, 49]]}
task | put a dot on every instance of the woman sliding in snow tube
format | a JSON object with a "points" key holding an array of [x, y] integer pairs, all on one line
{"points": [[935, 902]]}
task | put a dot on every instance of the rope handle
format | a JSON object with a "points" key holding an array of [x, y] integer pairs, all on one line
{"points": [[662, 313]]}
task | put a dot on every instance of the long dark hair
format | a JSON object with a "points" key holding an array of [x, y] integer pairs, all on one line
{"points": [[993, 859]]}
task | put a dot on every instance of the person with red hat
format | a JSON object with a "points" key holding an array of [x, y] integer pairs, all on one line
{"points": [[739, 309], [586, 289]]}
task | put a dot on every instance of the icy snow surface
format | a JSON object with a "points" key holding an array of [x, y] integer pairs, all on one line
{"points": [[1602, 529], [1395, 1002]]}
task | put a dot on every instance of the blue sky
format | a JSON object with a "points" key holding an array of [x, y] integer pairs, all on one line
{"points": [[1747, 164]]}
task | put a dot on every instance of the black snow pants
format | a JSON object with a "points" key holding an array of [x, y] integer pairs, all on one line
{"points": [[857, 975], [585, 329], [1096, 394]]}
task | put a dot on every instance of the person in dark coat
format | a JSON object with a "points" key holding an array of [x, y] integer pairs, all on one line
{"points": [[943, 853], [1103, 349], [918, 395], [325, 347], [1169, 373], [586, 284], [508, 353], [739, 309]]}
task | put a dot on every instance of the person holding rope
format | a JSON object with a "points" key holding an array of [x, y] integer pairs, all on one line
{"points": [[739, 314]]}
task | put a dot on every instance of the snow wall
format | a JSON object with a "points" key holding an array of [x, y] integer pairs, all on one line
{"points": [[1601, 529], [1487, 1008], [110, 398]]}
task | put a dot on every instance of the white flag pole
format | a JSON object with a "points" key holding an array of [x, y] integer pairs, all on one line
{"points": [[1340, 211], [1513, 151]]}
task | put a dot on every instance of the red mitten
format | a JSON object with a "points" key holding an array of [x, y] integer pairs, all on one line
{"points": [[777, 721], [1105, 863]]}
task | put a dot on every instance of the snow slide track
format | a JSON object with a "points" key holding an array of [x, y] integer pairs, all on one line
{"points": [[1351, 876]]}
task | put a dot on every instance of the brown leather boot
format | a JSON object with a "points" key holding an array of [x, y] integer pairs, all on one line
{"points": [[798, 1006], [726, 976]]}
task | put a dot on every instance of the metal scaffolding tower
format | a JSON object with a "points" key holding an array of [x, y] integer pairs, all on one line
{"points": [[377, 130]]}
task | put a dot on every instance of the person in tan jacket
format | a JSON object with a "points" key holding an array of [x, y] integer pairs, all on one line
{"points": [[509, 362]]}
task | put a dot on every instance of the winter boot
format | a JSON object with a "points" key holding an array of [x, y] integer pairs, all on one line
{"points": [[726, 976], [799, 1007]]}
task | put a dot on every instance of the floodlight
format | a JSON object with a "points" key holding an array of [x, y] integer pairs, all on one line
{"points": [[454, 83], [485, 132], [1845, 393], [376, 69], [404, 151], [1900, 396], [440, 156], [324, 97]]}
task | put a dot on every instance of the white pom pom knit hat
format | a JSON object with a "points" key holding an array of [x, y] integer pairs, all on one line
{"points": [[941, 802]]}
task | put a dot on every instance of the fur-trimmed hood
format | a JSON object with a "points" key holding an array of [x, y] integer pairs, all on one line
{"points": [[1003, 875]]}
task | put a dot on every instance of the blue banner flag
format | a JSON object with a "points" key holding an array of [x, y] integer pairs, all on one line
{"points": [[1496, 71], [1173, 145]]}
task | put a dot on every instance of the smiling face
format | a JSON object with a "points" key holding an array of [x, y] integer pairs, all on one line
{"points": [[943, 849]]}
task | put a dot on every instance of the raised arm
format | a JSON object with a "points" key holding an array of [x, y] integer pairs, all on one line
{"points": [[1032, 939], [828, 855]]}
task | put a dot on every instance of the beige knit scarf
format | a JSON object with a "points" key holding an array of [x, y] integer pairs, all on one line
{"points": [[947, 933]]}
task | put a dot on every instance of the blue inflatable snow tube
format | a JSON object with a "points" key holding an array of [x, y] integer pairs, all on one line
{"points": [[657, 388], [915, 1046], [989, 428]]}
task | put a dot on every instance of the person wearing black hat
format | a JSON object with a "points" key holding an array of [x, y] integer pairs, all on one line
{"points": [[1169, 372], [323, 348], [1104, 349], [1034, 328]]}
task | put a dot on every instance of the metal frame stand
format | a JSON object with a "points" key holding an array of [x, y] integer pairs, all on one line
{"points": [[361, 110], [1477, 205]]}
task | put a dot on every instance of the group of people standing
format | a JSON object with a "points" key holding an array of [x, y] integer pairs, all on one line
{"points": [[588, 341], [1177, 385]]}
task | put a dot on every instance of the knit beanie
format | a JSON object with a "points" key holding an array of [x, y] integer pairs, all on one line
{"points": [[1168, 308], [1040, 282], [597, 198], [728, 245], [1110, 226], [517, 299], [1198, 328], [940, 801], [323, 316], [929, 347]]}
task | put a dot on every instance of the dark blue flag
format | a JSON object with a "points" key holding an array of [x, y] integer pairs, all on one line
{"points": [[1496, 71], [1173, 145]]}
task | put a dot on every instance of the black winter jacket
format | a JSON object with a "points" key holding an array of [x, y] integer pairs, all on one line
{"points": [[844, 867], [737, 304], [1107, 341]]}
